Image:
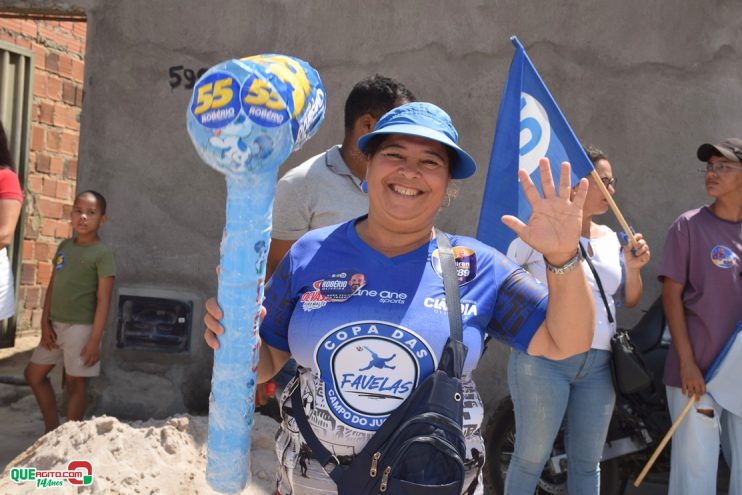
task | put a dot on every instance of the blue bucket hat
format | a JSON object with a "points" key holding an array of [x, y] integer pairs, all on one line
{"points": [[424, 120]]}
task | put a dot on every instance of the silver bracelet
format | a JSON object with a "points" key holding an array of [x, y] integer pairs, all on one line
{"points": [[565, 268]]}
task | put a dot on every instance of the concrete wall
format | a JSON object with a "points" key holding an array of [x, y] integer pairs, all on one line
{"points": [[646, 81]]}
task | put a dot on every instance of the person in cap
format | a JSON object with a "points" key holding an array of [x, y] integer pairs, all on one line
{"points": [[578, 390], [701, 275], [361, 353]]}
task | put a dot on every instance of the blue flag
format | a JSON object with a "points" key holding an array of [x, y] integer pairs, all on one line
{"points": [[530, 126], [722, 377]]}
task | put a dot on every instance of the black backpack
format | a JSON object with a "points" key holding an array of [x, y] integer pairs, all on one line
{"points": [[420, 448]]}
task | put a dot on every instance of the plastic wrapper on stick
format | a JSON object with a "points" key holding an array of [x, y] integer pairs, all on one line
{"points": [[245, 118]]}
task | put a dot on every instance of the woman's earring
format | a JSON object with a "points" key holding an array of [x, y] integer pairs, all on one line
{"points": [[447, 202], [364, 186]]}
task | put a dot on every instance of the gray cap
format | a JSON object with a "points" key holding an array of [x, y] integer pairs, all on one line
{"points": [[730, 148]]}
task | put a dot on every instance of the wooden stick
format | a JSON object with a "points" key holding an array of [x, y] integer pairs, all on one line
{"points": [[614, 207], [664, 441]]}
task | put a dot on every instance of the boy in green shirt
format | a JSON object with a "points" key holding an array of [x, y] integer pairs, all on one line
{"points": [[75, 312]]}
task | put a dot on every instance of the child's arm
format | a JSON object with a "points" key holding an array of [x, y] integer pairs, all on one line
{"points": [[91, 352], [48, 336]]}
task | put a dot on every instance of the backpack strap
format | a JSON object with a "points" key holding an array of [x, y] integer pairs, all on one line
{"points": [[450, 285], [319, 451], [597, 282], [454, 352]]}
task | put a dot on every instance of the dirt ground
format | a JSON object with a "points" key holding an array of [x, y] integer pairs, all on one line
{"points": [[155, 456], [20, 420]]}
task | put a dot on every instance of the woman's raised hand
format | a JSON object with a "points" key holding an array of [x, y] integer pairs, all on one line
{"points": [[556, 220]]}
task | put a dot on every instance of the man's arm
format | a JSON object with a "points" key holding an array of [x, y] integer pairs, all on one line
{"points": [[277, 251]]}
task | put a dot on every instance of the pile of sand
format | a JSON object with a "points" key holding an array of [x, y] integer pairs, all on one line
{"points": [[152, 457]]}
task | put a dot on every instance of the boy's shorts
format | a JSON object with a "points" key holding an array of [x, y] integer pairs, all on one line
{"points": [[71, 338]]}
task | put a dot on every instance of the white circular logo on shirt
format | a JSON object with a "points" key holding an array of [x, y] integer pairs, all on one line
{"points": [[535, 133], [369, 369]]}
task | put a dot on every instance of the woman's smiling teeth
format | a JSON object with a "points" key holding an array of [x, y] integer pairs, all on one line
{"points": [[405, 191]]}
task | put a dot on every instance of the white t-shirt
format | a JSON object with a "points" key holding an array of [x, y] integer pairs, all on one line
{"points": [[607, 256], [321, 191]]}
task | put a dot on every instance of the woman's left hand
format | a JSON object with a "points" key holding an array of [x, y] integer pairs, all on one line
{"points": [[636, 255], [214, 328], [556, 220]]}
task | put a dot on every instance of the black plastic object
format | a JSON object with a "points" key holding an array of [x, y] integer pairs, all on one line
{"points": [[153, 323]]}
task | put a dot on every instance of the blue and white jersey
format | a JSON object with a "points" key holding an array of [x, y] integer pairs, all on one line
{"points": [[368, 328]]}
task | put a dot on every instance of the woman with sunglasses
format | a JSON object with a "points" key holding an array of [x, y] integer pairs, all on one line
{"points": [[362, 350], [580, 388]]}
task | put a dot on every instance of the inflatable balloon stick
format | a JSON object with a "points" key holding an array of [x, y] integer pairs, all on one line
{"points": [[245, 118]]}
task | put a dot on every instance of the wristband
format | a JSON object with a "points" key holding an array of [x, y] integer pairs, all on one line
{"points": [[570, 265]]}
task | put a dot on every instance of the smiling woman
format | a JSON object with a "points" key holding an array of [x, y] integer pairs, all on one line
{"points": [[361, 356], [407, 181]]}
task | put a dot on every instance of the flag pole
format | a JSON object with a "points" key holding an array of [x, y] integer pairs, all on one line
{"points": [[664, 441], [614, 207]]}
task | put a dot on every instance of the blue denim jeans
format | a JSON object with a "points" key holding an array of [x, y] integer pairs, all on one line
{"points": [[543, 391]]}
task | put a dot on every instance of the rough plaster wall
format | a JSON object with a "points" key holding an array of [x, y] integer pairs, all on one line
{"points": [[646, 81], [48, 6]]}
